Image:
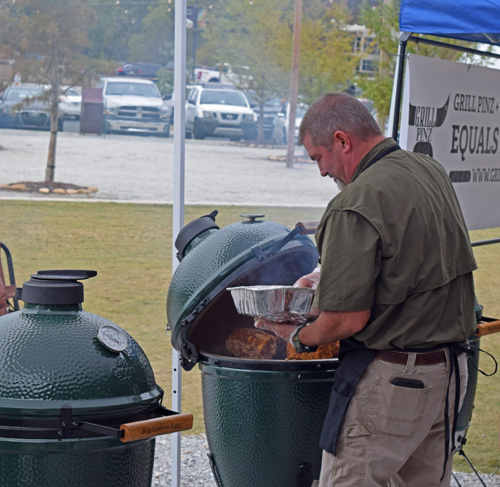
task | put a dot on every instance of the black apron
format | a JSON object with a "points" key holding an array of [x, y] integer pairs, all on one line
{"points": [[347, 376], [352, 366]]}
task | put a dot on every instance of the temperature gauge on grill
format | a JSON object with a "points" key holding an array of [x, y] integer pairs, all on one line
{"points": [[112, 338]]}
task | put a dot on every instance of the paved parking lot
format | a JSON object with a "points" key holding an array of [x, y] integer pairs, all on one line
{"points": [[140, 168]]}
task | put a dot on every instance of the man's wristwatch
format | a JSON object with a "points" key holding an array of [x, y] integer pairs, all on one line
{"points": [[300, 347]]}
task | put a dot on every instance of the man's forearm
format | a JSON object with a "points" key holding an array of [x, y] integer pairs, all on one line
{"points": [[331, 326]]}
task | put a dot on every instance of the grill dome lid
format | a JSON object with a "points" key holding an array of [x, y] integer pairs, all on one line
{"points": [[54, 354], [249, 252]]}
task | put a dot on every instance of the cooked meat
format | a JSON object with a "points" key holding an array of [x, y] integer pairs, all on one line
{"points": [[324, 351], [251, 343]]}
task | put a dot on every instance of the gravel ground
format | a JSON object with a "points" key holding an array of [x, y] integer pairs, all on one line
{"points": [[195, 467], [141, 169], [196, 472]]}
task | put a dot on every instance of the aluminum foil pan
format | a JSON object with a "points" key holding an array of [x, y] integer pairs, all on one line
{"points": [[274, 303]]}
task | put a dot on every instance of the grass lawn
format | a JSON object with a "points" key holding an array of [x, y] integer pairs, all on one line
{"points": [[131, 248]]}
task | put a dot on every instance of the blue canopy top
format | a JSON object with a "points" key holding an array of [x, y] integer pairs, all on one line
{"points": [[468, 20]]}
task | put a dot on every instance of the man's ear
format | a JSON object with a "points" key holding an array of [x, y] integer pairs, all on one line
{"points": [[343, 140]]}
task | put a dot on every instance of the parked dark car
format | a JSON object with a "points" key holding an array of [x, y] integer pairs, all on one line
{"points": [[20, 108], [141, 70]]}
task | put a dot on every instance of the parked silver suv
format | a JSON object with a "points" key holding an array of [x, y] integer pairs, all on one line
{"points": [[21, 106], [219, 110], [134, 105]]}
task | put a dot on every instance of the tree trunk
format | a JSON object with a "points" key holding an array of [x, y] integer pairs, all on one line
{"points": [[51, 158], [294, 83], [54, 122], [260, 132]]}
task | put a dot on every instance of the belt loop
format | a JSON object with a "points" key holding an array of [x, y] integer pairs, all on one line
{"points": [[447, 354], [410, 363]]}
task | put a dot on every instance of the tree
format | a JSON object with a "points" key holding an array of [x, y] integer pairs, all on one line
{"points": [[117, 24], [327, 62], [251, 37], [46, 38], [383, 21], [155, 42], [258, 34]]}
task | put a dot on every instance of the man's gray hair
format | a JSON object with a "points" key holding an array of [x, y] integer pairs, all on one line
{"points": [[337, 111]]}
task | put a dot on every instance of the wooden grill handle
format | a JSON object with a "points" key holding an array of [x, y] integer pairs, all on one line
{"points": [[307, 228], [487, 328], [156, 426]]}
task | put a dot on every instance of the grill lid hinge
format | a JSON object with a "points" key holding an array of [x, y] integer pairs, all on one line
{"points": [[190, 356]]}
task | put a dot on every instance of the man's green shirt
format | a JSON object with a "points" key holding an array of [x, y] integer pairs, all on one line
{"points": [[395, 241]]}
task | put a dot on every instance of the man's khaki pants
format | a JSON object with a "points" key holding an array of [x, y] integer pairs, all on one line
{"points": [[395, 436]]}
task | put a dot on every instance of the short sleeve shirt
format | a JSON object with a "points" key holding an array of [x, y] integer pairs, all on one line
{"points": [[395, 241]]}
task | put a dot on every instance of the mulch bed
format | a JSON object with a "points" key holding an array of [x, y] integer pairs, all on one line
{"points": [[47, 188]]}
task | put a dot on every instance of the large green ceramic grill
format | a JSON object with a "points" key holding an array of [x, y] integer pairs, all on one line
{"points": [[263, 418], [253, 251], [79, 405]]}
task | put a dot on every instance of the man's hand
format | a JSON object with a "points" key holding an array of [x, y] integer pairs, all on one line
{"points": [[309, 280], [282, 330]]}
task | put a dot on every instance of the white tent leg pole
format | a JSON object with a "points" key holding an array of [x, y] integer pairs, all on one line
{"points": [[178, 206], [176, 406]]}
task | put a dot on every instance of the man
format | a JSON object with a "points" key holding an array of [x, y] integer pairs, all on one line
{"points": [[396, 288]]}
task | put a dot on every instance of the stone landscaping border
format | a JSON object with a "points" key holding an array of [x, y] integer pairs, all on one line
{"points": [[49, 188]]}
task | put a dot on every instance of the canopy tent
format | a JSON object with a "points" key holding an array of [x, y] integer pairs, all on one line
{"points": [[475, 21]]}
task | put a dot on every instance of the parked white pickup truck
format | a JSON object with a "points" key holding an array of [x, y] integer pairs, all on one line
{"points": [[134, 105], [227, 74], [209, 75]]}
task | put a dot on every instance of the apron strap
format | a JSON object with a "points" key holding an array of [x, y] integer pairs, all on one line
{"points": [[454, 349], [381, 156]]}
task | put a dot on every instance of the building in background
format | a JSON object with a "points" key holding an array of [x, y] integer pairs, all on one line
{"points": [[363, 46]]}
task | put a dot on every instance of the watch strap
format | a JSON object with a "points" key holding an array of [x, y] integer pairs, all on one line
{"points": [[299, 346]]}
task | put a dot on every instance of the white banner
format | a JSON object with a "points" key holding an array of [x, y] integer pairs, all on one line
{"points": [[451, 111]]}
